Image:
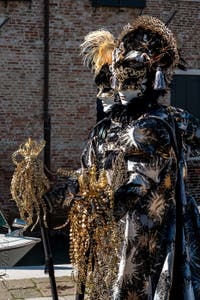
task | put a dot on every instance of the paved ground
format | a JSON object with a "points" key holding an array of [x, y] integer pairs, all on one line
{"points": [[36, 288], [34, 285]]}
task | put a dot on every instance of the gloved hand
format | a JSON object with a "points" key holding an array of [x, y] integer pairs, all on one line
{"points": [[59, 191]]}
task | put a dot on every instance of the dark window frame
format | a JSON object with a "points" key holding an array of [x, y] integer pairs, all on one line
{"points": [[119, 3]]}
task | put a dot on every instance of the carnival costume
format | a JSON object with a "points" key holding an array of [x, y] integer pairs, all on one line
{"points": [[135, 232], [141, 145]]}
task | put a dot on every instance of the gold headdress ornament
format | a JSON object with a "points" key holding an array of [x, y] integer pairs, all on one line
{"points": [[156, 29], [97, 49], [149, 43]]}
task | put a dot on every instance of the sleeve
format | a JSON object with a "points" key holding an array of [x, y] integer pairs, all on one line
{"points": [[91, 154], [192, 132], [190, 127]]}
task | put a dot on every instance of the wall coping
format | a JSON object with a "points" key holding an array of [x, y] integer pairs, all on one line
{"points": [[187, 72], [190, 0]]}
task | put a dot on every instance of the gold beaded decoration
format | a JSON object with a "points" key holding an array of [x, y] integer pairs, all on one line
{"points": [[29, 182], [93, 233]]}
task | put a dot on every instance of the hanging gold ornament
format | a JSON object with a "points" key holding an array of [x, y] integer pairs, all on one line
{"points": [[29, 183], [93, 231]]}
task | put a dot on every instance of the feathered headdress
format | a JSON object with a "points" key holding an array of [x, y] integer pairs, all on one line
{"points": [[97, 49]]}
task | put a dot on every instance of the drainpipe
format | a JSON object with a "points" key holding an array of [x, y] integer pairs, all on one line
{"points": [[49, 267], [47, 119]]}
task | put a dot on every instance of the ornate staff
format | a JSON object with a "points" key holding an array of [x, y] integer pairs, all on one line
{"points": [[28, 185]]}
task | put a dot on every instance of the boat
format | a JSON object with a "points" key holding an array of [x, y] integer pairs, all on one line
{"points": [[13, 244]]}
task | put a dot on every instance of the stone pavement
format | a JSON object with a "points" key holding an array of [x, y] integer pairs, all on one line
{"points": [[36, 289]]}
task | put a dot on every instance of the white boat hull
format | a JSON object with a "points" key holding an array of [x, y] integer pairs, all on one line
{"points": [[13, 248]]}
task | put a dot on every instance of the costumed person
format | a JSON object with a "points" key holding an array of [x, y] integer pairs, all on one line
{"points": [[159, 256], [133, 169]]}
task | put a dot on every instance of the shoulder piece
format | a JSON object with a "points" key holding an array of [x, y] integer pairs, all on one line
{"points": [[189, 125], [149, 134]]}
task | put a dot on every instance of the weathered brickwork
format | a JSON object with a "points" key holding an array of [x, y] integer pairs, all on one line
{"points": [[72, 100]]}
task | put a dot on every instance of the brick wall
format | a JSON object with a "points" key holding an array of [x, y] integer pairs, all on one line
{"points": [[72, 100]]}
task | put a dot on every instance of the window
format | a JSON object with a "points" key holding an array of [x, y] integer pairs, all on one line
{"points": [[120, 3], [185, 91]]}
